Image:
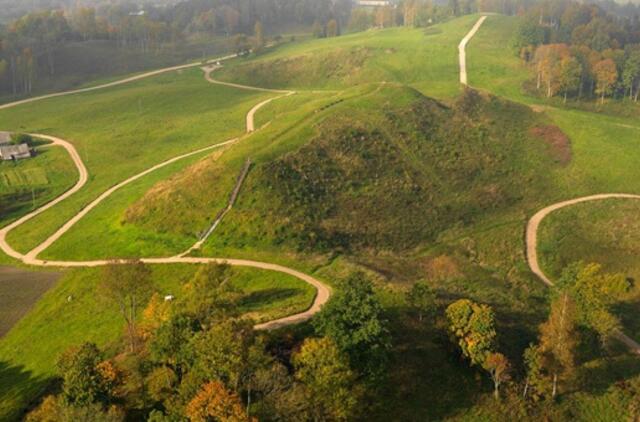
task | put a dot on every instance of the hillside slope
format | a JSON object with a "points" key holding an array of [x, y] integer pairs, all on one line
{"points": [[388, 171]]}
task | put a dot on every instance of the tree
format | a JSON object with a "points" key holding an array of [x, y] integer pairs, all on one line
{"points": [[630, 74], [259, 37], [318, 30], [360, 20], [606, 74], [209, 296], [472, 326], [570, 73], [325, 371], [170, 343], [161, 383], [353, 320], [128, 286], [422, 299], [222, 352], [83, 379], [558, 341], [537, 382], [332, 28], [215, 403], [498, 367], [592, 291]]}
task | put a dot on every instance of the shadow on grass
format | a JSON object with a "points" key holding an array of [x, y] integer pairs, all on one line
{"points": [[19, 390], [267, 296]]}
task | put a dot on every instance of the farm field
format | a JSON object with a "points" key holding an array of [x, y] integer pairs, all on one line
{"points": [[27, 184]]}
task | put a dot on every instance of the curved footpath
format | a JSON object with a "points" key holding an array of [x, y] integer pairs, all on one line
{"points": [[323, 292], [533, 225]]}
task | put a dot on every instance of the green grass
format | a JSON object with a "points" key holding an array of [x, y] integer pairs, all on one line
{"points": [[425, 60], [124, 130], [28, 184], [71, 313]]}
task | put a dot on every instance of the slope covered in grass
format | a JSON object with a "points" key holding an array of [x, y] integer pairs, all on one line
{"points": [[426, 59], [388, 171], [123, 130]]}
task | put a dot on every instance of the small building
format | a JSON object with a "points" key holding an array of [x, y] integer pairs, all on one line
{"points": [[5, 138], [15, 152], [374, 3]]}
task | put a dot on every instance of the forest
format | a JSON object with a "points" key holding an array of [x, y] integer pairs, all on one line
{"points": [[581, 50]]}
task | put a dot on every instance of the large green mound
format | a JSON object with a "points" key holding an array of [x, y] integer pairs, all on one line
{"points": [[388, 171]]}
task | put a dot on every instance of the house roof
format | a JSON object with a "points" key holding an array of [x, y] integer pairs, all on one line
{"points": [[5, 138], [17, 151]]}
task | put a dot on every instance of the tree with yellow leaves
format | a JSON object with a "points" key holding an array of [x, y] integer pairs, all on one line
{"points": [[215, 402]]}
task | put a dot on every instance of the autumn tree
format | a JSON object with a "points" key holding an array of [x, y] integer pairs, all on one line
{"points": [[258, 34], [325, 371], [422, 299], [354, 320], [498, 367], [606, 74], [558, 339], [128, 286], [332, 28], [214, 402], [472, 326]]}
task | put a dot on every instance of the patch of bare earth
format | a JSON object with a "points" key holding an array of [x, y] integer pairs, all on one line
{"points": [[559, 143]]}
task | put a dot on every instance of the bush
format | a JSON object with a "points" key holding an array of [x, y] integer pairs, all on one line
{"points": [[22, 138]]}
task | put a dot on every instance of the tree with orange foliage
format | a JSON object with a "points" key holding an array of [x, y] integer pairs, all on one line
{"points": [[606, 74], [214, 401], [548, 60]]}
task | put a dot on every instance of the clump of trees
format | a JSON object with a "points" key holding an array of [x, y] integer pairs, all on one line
{"points": [[579, 50], [196, 358]]}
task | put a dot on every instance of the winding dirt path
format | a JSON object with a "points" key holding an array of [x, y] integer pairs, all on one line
{"points": [[462, 47], [323, 292]]}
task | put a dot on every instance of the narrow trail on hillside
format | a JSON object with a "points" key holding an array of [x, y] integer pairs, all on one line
{"points": [[323, 292], [533, 225], [462, 50]]}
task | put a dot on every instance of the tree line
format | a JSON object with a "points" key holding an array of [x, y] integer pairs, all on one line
{"points": [[580, 50], [29, 45]]}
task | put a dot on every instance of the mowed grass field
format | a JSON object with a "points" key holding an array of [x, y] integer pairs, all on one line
{"points": [[30, 183], [72, 313], [426, 59], [124, 130]]}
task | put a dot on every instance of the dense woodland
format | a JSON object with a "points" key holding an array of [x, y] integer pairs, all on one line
{"points": [[582, 50]]}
